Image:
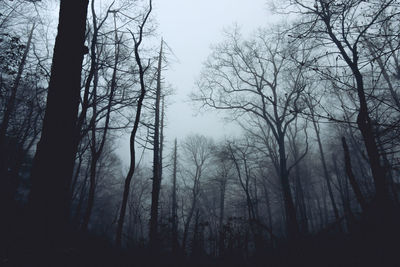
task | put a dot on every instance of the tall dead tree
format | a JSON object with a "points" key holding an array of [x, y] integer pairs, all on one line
{"points": [[162, 137], [155, 194]]}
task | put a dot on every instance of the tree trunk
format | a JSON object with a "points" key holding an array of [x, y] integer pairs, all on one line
{"points": [[54, 159], [221, 217], [291, 218], [76, 176], [187, 224], [175, 243], [344, 196], [92, 191], [300, 199], [91, 75], [364, 122], [76, 218], [155, 194], [269, 211], [195, 240], [324, 167], [351, 176]]}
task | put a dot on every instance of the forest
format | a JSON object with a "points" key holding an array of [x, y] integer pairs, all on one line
{"points": [[313, 178]]}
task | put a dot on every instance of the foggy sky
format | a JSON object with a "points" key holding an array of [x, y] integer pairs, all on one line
{"points": [[190, 27]]}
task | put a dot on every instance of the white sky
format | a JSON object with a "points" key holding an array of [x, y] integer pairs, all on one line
{"points": [[189, 27]]}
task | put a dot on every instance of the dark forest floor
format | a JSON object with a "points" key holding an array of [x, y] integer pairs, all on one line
{"points": [[371, 242], [328, 250]]}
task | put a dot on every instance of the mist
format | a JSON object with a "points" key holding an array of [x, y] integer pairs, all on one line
{"points": [[212, 133]]}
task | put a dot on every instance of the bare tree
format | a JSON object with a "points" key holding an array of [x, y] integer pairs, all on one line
{"points": [[156, 160], [257, 78], [343, 27], [142, 71], [197, 152]]}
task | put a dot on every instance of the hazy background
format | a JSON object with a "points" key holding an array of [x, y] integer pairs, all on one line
{"points": [[190, 27]]}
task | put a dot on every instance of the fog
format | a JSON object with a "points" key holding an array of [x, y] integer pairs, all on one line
{"points": [[190, 28], [199, 133]]}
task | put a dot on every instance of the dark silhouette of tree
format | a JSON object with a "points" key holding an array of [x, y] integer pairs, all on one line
{"points": [[344, 27], [352, 179], [153, 236], [174, 206], [54, 159]]}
